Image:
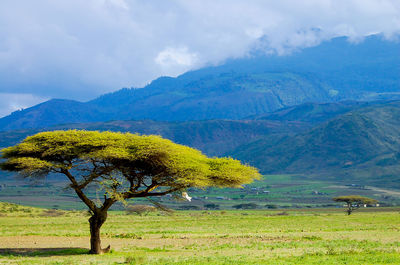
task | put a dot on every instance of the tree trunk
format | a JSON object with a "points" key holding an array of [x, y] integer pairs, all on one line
{"points": [[349, 209], [96, 221]]}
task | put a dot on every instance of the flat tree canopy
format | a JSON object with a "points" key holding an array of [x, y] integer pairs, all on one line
{"points": [[354, 201], [124, 165]]}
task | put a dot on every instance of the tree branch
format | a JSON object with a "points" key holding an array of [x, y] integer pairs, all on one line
{"points": [[150, 194], [91, 177], [107, 204], [79, 192]]}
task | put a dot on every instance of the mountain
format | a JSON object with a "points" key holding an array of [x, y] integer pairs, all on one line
{"points": [[54, 111], [360, 145], [333, 71], [226, 96]]}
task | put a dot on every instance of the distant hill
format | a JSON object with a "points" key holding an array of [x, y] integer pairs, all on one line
{"points": [[335, 70], [362, 144]]}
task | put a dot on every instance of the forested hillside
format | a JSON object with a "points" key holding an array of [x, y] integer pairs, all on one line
{"points": [[361, 144]]}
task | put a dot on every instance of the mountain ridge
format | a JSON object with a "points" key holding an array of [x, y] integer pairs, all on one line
{"points": [[335, 70]]}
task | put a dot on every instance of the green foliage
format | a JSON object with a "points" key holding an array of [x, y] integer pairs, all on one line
{"points": [[355, 199]]}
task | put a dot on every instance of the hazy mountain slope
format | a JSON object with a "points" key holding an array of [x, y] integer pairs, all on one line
{"points": [[54, 111], [335, 70], [363, 143], [312, 112], [214, 137], [227, 96]]}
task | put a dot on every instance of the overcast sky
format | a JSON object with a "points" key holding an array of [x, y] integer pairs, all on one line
{"points": [[79, 49]]}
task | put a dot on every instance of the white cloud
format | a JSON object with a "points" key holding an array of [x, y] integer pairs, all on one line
{"points": [[175, 60], [79, 49], [13, 101], [119, 4]]}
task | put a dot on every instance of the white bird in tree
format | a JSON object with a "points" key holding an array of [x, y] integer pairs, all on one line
{"points": [[186, 196]]}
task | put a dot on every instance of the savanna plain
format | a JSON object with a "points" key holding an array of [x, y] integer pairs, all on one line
{"points": [[31, 235]]}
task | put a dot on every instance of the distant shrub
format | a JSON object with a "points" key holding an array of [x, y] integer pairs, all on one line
{"points": [[127, 235], [271, 206], [245, 206], [140, 209], [311, 238], [189, 207], [329, 205], [278, 214], [135, 260], [212, 206], [52, 213]]}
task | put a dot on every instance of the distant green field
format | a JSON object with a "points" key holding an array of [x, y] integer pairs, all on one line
{"points": [[309, 236], [273, 191]]}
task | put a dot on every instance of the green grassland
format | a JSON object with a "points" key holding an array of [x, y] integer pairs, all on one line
{"points": [[307, 236]]}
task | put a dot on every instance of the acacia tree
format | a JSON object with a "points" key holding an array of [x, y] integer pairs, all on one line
{"points": [[123, 165], [353, 202]]}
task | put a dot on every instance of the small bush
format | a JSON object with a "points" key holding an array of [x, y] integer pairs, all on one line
{"points": [[52, 213], [140, 209], [135, 260], [278, 214], [127, 235], [213, 206], [245, 206], [189, 207], [282, 213], [311, 238]]}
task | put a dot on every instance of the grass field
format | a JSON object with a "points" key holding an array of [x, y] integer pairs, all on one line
{"points": [[309, 236]]}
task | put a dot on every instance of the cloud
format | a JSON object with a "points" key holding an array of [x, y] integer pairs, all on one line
{"points": [[174, 61], [13, 101], [80, 49]]}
